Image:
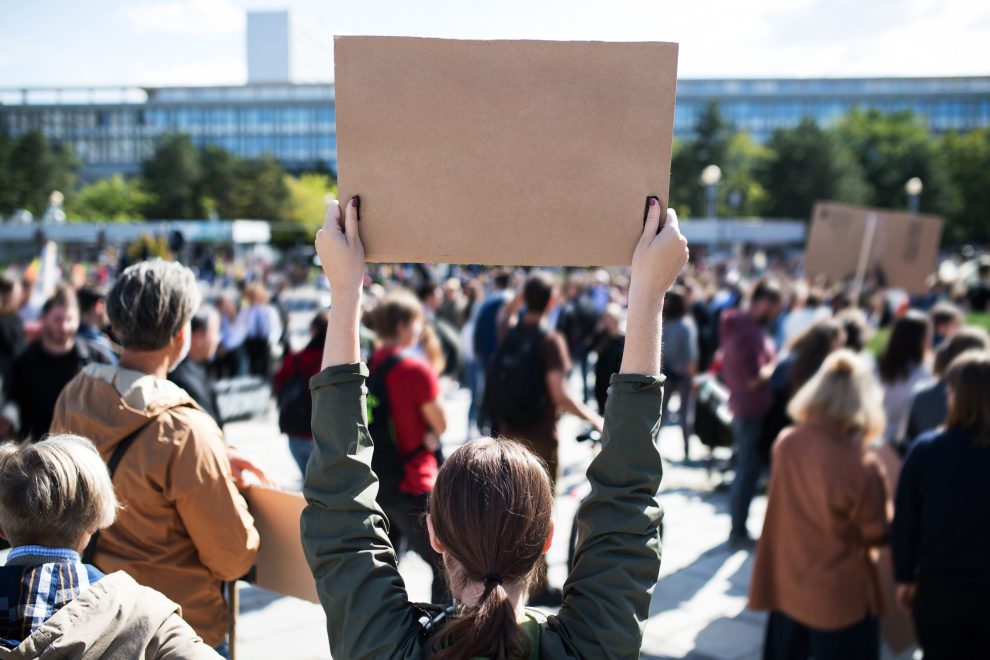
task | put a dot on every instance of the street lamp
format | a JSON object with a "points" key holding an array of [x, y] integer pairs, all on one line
{"points": [[710, 177], [913, 189], [54, 214]]}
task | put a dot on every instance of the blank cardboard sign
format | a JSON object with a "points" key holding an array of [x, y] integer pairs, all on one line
{"points": [[503, 152], [904, 250], [281, 566]]}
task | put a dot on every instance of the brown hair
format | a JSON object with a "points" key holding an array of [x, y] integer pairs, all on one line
{"points": [[491, 509], [906, 347], [64, 296], [967, 339], [810, 349], [399, 308], [969, 406]]}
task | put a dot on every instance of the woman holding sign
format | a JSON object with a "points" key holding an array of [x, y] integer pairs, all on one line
{"points": [[490, 510]]}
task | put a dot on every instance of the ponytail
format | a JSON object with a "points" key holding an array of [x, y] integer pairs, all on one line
{"points": [[487, 630], [491, 509]]}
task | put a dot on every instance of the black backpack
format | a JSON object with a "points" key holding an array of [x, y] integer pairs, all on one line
{"points": [[515, 385], [387, 461], [295, 405]]}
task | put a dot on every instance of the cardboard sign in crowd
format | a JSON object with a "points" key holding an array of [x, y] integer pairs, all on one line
{"points": [[508, 152], [902, 247]]}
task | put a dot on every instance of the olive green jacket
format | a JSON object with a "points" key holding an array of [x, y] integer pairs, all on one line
{"points": [[607, 595]]}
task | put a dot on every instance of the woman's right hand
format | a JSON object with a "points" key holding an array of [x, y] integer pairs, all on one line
{"points": [[658, 258], [341, 252], [657, 261]]}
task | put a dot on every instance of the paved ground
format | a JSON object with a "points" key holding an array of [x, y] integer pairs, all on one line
{"points": [[699, 606]]}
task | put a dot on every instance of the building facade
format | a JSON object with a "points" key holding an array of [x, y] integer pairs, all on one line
{"points": [[113, 129]]}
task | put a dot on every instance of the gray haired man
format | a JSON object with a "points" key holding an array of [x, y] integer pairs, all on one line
{"points": [[184, 528]]}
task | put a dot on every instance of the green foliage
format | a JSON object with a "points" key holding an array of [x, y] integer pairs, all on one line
{"points": [[890, 149], [261, 192], [172, 177], [30, 169], [966, 159], [741, 193], [805, 164], [115, 198], [148, 247], [308, 199], [710, 145], [217, 186]]}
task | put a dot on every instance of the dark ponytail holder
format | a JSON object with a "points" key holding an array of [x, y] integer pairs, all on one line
{"points": [[491, 579]]}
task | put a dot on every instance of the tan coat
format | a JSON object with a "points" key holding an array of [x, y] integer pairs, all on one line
{"points": [[184, 528], [826, 508], [114, 619]]}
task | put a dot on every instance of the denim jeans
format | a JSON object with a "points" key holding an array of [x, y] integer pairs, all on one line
{"points": [[748, 433], [301, 449]]}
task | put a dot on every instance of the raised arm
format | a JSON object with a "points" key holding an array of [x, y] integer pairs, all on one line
{"points": [[344, 532], [342, 257], [657, 261], [617, 562]]}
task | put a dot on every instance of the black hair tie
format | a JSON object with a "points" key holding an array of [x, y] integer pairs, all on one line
{"points": [[492, 579]]}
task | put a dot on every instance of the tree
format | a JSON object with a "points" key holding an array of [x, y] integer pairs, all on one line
{"points": [[966, 158], [30, 169], [307, 199], [261, 190], [741, 192], [806, 165], [217, 189], [8, 196], [709, 146], [172, 178], [115, 198], [890, 149]]}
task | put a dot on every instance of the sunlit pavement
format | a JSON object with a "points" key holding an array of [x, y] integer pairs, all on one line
{"points": [[699, 606]]}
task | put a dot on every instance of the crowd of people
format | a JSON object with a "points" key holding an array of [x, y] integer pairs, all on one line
{"points": [[867, 444]]}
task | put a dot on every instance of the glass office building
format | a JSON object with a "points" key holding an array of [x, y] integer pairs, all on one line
{"points": [[762, 106], [113, 129]]}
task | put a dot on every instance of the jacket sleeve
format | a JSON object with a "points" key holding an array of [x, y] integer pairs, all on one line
{"points": [[345, 533], [212, 510], [906, 530], [617, 562], [869, 513], [176, 640]]}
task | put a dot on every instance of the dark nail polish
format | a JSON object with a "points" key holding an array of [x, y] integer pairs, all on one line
{"points": [[654, 201], [356, 201]]}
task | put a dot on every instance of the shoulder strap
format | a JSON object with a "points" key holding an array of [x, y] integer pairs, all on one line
{"points": [[385, 368], [115, 458]]}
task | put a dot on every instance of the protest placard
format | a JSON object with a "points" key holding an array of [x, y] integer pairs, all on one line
{"points": [[280, 566], [900, 249], [513, 152]]}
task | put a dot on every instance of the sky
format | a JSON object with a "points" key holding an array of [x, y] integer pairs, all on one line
{"points": [[202, 42]]}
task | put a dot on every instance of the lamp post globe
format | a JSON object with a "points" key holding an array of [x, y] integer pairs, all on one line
{"points": [[913, 188]]}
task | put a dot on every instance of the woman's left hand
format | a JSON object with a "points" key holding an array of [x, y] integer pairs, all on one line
{"points": [[340, 250]]}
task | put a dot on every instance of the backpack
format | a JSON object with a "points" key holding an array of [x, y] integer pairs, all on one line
{"points": [[387, 462], [295, 405], [515, 385]]}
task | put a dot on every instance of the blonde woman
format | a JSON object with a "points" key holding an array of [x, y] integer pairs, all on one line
{"points": [[54, 496], [826, 508]]}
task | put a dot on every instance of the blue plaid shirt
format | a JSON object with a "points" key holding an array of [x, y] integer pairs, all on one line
{"points": [[36, 583]]}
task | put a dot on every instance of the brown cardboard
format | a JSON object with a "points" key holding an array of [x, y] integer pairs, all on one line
{"points": [[511, 152], [904, 251], [281, 566]]}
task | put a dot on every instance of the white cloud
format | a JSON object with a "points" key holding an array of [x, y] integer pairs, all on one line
{"points": [[185, 17]]}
